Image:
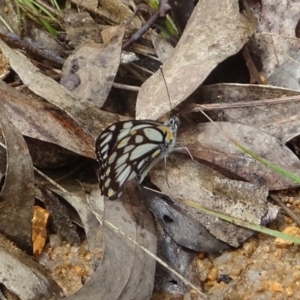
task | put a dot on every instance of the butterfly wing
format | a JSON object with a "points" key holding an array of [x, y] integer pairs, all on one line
{"points": [[126, 150]]}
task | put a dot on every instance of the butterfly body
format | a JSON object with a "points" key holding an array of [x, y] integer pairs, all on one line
{"points": [[129, 149]]}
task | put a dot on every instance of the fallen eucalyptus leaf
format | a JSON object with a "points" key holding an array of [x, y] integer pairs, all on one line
{"points": [[22, 275], [121, 274], [80, 27], [91, 120], [17, 195], [43, 121], [177, 257], [279, 120], [87, 71], [271, 45], [208, 143], [183, 229], [199, 184], [214, 32]]}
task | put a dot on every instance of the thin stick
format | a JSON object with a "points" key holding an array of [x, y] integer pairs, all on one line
{"points": [[242, 104], [288, 211], [126, 87]]}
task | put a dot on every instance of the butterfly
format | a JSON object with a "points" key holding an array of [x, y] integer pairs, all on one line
{"points": [[129, 149]]}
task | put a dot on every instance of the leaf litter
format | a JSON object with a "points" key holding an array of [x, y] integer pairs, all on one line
{"points": [[201, 48], [195, 56]]}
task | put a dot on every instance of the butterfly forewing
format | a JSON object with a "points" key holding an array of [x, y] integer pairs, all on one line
{"points": [[129, 149]]}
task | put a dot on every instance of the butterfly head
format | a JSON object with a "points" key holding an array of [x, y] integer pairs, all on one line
{"points": [[170, 128]]}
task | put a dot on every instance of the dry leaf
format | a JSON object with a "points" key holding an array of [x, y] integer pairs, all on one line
{"points": [[286, 75], [43, 121], [121, 12], [272, 50], [208, 143], [122, 260], [17, 196], [86, 116], [184, 230], [191, 181], [80, 27], [278, 120], [23, 276], [91, 70], [214, 32], [163, 49]]}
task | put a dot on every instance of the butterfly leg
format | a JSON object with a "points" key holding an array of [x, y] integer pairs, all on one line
{"points": [[166, 172], [186, 149]]}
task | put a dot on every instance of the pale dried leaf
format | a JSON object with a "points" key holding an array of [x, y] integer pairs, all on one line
{"points": [[287, 74], [91, 70], [214, 32], [121, 274], [163, 48], [118, 9], [81, 27], [43, 121]]}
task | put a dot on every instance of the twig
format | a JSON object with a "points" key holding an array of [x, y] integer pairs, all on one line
{"points": [[289, 212], [241, 104], [126, 87], [15, 41]]}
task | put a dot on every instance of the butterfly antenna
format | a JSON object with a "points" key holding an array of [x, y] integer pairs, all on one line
{"points": [[163, 76]]}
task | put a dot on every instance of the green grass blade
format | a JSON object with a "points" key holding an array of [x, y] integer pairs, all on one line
{"points": [[268, 164], [244, 224]]}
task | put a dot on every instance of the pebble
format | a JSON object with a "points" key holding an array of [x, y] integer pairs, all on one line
{"points": [[68, 266], [260, 266]]}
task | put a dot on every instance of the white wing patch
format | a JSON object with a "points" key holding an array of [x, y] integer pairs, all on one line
{"points": [[141, 150], [153, 135]]}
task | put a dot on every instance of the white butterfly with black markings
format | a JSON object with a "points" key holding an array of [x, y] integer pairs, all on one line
{"points": [[129, 149]]}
